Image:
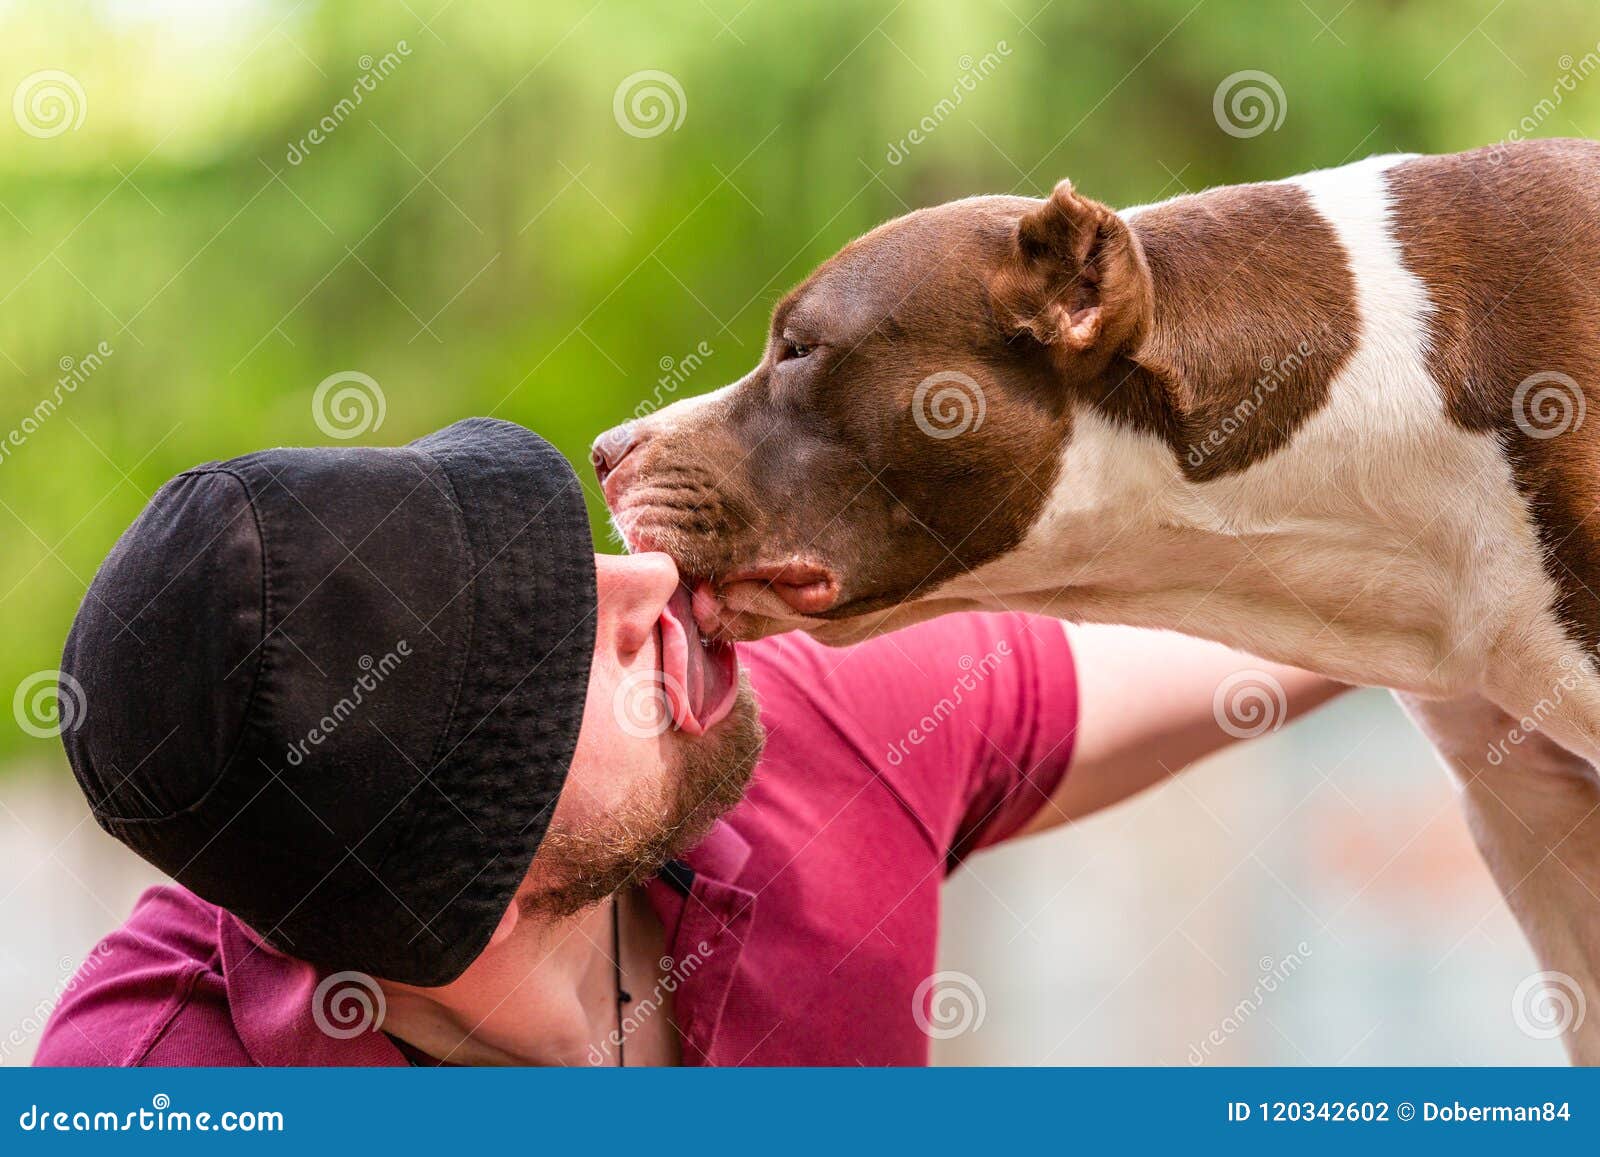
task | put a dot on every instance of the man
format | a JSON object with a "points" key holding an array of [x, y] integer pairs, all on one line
{"points": [[439, 785]]}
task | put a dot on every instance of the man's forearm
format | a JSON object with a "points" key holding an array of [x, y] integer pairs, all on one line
{"points": [[1151, 703]]}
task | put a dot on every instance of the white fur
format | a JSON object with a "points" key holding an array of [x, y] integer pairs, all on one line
{"points": [[1383, 545]]}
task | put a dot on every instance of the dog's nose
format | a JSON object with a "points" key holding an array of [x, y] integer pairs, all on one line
{"points": [[611, 448]]}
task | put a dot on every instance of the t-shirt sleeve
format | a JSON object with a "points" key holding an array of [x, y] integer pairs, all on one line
{"points": [[968, 718], [1030, 711]]}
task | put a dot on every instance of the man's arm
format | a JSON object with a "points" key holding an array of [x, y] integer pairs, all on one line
{"points": [[1148, 708]]}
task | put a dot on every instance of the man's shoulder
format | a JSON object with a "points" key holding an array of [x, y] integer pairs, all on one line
{"points": [[966, 720], [914, 658], [149, 993]]}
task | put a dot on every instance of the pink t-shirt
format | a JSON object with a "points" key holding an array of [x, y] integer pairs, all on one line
{"points": [[801, 928]]}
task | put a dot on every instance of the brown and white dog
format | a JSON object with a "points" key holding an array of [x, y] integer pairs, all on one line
{"points": [[1336, 421]]}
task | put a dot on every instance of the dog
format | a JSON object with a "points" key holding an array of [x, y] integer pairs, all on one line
{"points": [[1335, 420]]}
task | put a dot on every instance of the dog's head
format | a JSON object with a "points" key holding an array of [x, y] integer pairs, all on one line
{"points": [[905, 422]]}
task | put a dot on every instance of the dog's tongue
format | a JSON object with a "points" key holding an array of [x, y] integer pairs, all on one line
{"points": [[702, 677]]}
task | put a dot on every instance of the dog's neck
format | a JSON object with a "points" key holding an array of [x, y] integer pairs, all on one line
{"points": [[1248, 475], [1181, 441]]}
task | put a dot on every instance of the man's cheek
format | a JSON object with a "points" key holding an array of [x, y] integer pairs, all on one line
{"points": [[586, 785]]}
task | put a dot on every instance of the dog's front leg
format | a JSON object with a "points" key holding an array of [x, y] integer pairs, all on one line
{"points": [[1534, 810]]}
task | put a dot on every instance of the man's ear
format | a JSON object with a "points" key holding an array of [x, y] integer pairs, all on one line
{"points": [[1076, 278]]}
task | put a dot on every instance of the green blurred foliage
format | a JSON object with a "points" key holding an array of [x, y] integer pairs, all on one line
{"points": [[480, 236]]}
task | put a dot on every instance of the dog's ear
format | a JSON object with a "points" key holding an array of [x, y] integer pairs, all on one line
{"points": [[1076, 278]]}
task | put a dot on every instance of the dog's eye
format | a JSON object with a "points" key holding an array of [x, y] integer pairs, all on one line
{"points": [[795, 349]]}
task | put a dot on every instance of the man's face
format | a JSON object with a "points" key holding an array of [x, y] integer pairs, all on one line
{"points": [[670, 738]]}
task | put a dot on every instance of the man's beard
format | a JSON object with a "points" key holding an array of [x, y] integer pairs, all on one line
{"points": [[656, 825]]}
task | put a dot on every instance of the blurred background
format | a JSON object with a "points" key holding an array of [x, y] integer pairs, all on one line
{"points": [[226, 224]]}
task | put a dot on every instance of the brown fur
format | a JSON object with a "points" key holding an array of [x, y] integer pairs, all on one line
{"points": [[1507, 242], [1233, 299], [834, 432], [1255, 313], [1231, 310]]}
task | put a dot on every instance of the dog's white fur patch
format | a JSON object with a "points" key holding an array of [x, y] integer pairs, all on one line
{"points": [[1383, 544]]}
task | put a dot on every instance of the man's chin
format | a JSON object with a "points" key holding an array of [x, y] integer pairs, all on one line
{"points": [[708, 776], [713, 772]]}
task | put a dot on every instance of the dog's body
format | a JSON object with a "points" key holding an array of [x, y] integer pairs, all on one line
{"points": [[1337, 421], [1399, 515]]}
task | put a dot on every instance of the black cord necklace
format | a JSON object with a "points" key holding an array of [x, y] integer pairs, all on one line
{"points": [[616, 973]]}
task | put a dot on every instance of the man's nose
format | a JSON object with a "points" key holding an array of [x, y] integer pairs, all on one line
{"points": [[634, 588], [612, 447]]}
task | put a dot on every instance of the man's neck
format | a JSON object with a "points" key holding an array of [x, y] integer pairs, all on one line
{"points": [[544, 996]]}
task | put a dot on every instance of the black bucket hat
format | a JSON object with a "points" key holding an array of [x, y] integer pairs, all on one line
{"points": [[337, 691]]}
